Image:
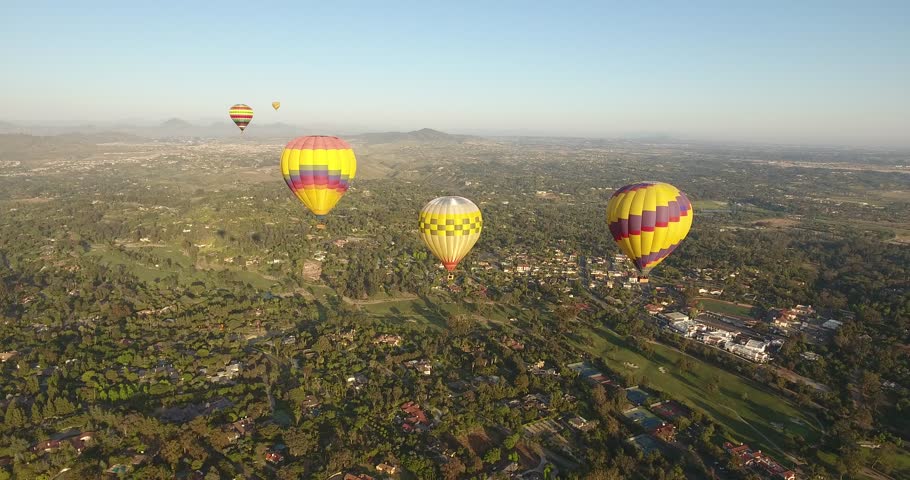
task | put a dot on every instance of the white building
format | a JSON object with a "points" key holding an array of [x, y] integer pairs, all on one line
{"points": [[832, 324], [747, 353], [687, 328], [756, 345], [676, 316]]}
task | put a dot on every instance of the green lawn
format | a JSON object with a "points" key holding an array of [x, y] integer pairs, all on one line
{"points": [[709, 205], [901, 463], [181, 265], [745, 407], [434, 309], [147, 274], [727, 308], [255, 279]]}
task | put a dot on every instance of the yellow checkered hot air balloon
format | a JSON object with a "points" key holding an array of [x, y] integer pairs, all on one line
{"points": [[450, 226], [318, 169], [276, 105], [648, 221]]}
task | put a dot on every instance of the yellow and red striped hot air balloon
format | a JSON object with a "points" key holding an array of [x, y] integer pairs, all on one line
{"points": [[648, 221], [276, 105], [242, 115], [318, 169], [450, 226]]}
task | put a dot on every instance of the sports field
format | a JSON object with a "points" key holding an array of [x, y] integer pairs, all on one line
{"points": [[643, 417], [646, 443], [745, 407], [637, 396], [726, 308], [670, 410]]}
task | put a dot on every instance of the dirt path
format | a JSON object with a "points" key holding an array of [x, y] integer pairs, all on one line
{"points": [[793, 459], [875, 474], [797, 378], [376, 301]]}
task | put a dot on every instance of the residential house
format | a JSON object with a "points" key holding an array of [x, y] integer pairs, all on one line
{"points": [[360, 476], [755, 459], [387, 469], [665, 432], [832, 325], [581, 424], [512, 344], [423, 366], [4, 356], [356, 381], [387, 339], [416, 418], [654, 309]]}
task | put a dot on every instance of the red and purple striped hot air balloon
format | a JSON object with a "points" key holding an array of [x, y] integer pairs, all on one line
{"points": [[242, 115], [648, 220], [318, 169]]}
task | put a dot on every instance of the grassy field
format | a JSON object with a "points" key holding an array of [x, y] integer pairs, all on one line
{"points": [[709, 205], [435, 309], [181, 266], [744, 407], [727, 308], [901, 462]]}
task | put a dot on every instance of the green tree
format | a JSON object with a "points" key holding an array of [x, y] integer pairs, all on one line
{"points": [[14, 417], [492, 456]]}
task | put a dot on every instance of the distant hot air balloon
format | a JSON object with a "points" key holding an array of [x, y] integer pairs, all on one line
{"points": [[648, 221], [242, 115], [450, 226], [318, 169], [276, 105]]}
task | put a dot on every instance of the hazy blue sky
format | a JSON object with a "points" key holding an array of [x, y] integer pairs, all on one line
{"points": [[793, 71]]}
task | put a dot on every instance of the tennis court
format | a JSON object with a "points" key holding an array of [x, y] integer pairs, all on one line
{"points": [[645, 442], [644, 418], [637, 396], [670, 410]]}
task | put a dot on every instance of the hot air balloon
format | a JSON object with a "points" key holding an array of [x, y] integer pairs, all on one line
{"points": [[318, 170], [648, 221], [450, 226], [242, 115], [276, 105]]}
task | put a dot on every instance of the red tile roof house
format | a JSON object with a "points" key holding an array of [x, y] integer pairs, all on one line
{"points": [[751, 458], [665, 432], [416, 414], [79, 442], [362, 476]]}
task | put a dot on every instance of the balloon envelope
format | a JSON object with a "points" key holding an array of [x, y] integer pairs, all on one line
{"points": [[241, 115], [275, 105], [648, 221], [318, 169], [450, 226]]}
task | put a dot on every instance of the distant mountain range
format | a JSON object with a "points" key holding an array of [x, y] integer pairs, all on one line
{"points": [[425, 135], [176, 127]]}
